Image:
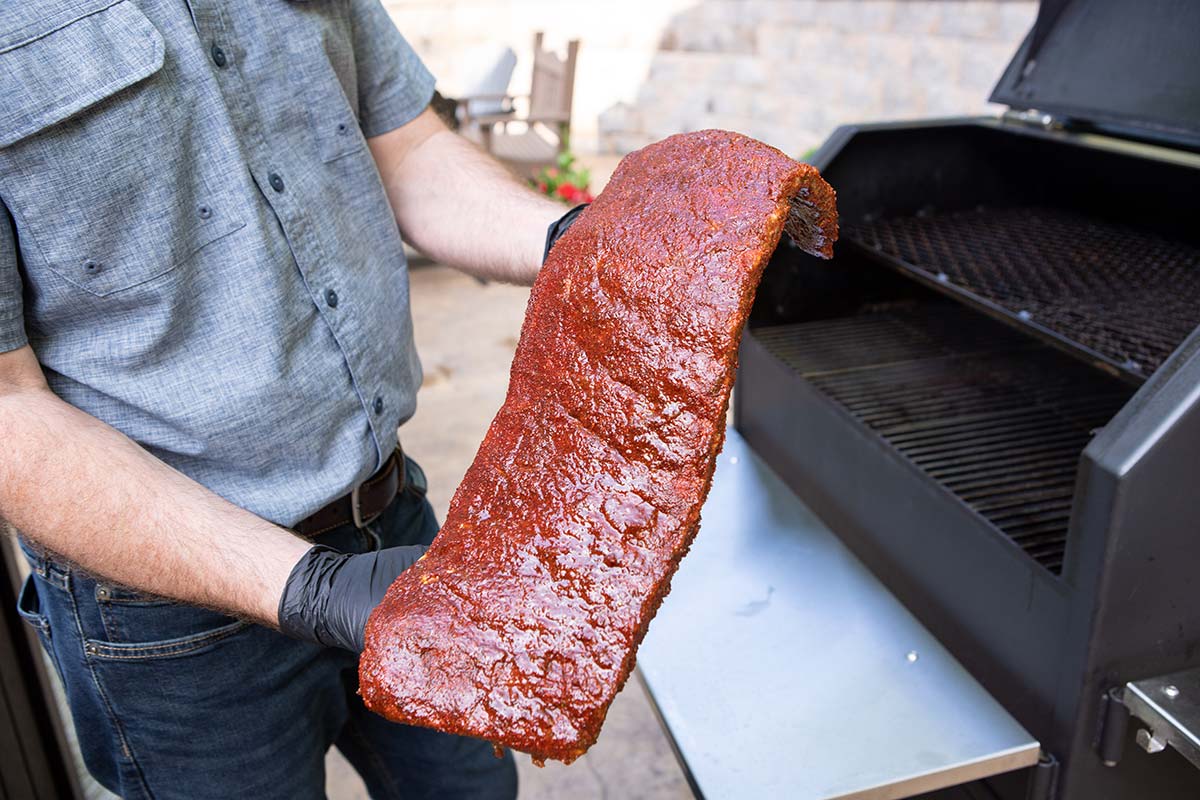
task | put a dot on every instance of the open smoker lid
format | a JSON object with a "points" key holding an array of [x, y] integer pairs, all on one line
{"points": [[1132, 68]]}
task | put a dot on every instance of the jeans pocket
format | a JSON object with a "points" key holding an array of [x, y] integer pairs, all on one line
{"points": [[29, 607], [142, 627], [165, 648]]}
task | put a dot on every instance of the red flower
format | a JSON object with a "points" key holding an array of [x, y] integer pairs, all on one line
{"points": [[570, 193], [542, 187]]}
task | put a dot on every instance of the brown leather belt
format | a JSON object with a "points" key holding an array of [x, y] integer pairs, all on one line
{"points": [[362, 506]]}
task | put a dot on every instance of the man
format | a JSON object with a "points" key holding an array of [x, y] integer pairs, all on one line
{"points": [[205, 352]]}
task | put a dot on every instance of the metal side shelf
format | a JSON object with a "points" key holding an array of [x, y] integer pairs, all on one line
{"points": [[781, 667]]}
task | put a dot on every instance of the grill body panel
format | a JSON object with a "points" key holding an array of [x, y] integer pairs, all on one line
{"points": [[1016, 480]]}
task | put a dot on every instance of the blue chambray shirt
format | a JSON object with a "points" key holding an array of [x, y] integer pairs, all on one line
{"points": [[194, 238]]}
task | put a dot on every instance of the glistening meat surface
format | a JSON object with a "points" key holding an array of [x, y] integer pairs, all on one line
{"points": [[521, 623]]}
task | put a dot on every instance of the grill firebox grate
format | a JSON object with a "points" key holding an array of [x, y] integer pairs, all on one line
{"points": [[1111, 292], [996, 419]]}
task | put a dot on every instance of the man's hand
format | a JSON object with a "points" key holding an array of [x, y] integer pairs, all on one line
{"points": [[329, 595]]}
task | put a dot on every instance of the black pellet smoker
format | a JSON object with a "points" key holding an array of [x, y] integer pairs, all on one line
{"points": [[991, 396]]}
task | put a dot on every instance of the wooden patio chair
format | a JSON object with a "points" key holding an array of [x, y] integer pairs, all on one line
{"points": [[543, 131], [487, 71]]}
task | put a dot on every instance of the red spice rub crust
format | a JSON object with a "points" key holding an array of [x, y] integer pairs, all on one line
{"points": [[521, 623]]}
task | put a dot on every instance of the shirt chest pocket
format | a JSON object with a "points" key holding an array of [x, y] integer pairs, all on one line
{"points": [[101, 159], [321, 51]]}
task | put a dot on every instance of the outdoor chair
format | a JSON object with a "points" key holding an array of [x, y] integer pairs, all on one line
{"points": [[527, 142]]}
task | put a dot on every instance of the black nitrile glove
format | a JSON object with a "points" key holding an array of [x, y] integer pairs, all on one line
{"points": [[560, 227], [329, 595]]}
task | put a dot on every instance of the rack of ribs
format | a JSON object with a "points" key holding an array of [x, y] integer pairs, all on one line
{"points": [[521, 622]]}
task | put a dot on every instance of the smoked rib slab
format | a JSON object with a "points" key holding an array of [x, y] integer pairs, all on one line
{"points": [[520, 624]]}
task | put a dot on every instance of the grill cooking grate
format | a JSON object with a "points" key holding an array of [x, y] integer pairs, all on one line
{"points": [[996, 419], [1116, 294]]}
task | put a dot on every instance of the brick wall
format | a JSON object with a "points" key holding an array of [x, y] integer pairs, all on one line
{"points": [[785, 71]]}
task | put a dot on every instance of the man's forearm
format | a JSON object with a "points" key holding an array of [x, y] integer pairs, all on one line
{"points": [[459, 206], [83, 490]]}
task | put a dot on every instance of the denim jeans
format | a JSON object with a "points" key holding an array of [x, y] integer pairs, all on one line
{"points": [[174, 701]]}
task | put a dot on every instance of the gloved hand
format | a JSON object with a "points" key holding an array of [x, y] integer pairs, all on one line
{"points": [[329, 595], [560, 227]]}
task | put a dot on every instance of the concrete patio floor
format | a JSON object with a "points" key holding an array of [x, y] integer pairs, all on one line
{"points": [[466, 334]]}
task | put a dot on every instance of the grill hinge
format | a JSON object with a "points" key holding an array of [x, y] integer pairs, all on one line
{"points": [[1114, 725], [1033, 118], [1043, 779]]}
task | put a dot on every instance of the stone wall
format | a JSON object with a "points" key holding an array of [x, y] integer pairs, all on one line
{"points": [[785, 71]]}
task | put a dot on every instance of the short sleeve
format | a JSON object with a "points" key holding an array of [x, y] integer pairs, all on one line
{"points": [[12, 316], [393, 85]]}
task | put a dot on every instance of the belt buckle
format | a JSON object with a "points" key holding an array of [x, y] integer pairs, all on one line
{"points": [[356, 509], [356, 495]]}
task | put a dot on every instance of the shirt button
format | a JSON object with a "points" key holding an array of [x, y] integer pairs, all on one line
{"points": [[331, 298], [378, 405], [275, 181], [92, 267], [218, 56]]}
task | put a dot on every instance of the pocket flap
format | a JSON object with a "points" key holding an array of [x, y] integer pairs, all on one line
{"points": [[53, 70]]}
